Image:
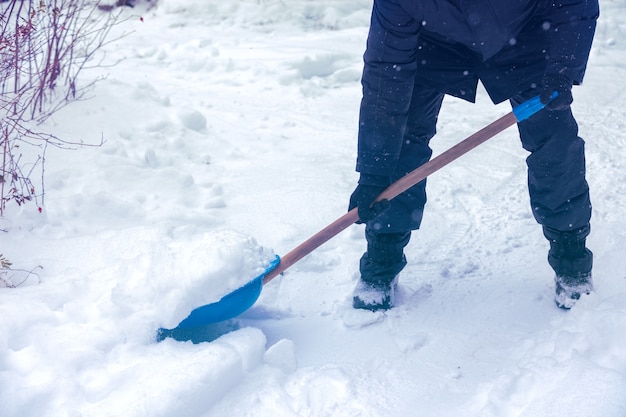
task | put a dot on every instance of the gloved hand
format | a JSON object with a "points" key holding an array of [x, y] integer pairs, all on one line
{"points": [[562, 85], [370, 187]]}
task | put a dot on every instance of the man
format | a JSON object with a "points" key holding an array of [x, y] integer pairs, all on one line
{"points": [[420, 50]]}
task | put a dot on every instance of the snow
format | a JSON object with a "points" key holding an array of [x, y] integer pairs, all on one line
{"points": [[230, 135]]}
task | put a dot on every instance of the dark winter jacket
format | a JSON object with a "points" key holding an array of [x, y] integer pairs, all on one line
{"points": [[450, 45]]}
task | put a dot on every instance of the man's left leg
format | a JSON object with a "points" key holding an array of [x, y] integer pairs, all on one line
{"points": [[572, 263], [559, 196]]}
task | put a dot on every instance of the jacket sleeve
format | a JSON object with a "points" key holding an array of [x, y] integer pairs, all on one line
{"points": [[388, 78], [572, 26]]}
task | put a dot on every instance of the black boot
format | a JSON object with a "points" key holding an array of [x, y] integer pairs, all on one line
{"points": [[572, 263], [379, 268]]}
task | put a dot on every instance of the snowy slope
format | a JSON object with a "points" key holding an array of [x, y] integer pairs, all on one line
{"points": [[230, 132]]}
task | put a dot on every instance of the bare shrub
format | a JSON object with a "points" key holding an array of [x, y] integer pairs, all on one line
{"points": [[12, 278], [44, 46]]}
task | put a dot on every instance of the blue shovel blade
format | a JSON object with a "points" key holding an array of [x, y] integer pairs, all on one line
{"points": [[229, 306]]}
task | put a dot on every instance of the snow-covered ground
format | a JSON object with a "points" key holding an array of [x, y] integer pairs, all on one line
{"points": [[230, 135]]}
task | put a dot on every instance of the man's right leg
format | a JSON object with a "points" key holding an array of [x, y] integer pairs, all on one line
{"points": [[388, 234], [379, 268]]}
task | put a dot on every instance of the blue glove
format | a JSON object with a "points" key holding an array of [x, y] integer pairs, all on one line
{"points": [[562, 85], [370, 187]]}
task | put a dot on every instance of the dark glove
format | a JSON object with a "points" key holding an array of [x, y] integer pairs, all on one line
{"points": [[370, 187], [562, 85]]}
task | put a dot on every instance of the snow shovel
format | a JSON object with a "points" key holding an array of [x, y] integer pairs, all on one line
{"points": [[238, 301]]}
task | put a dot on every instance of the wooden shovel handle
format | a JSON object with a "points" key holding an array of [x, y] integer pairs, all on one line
{"points": [[393, 191]]}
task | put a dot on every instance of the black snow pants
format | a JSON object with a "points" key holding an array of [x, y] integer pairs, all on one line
{"points": [[559, 193]]}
